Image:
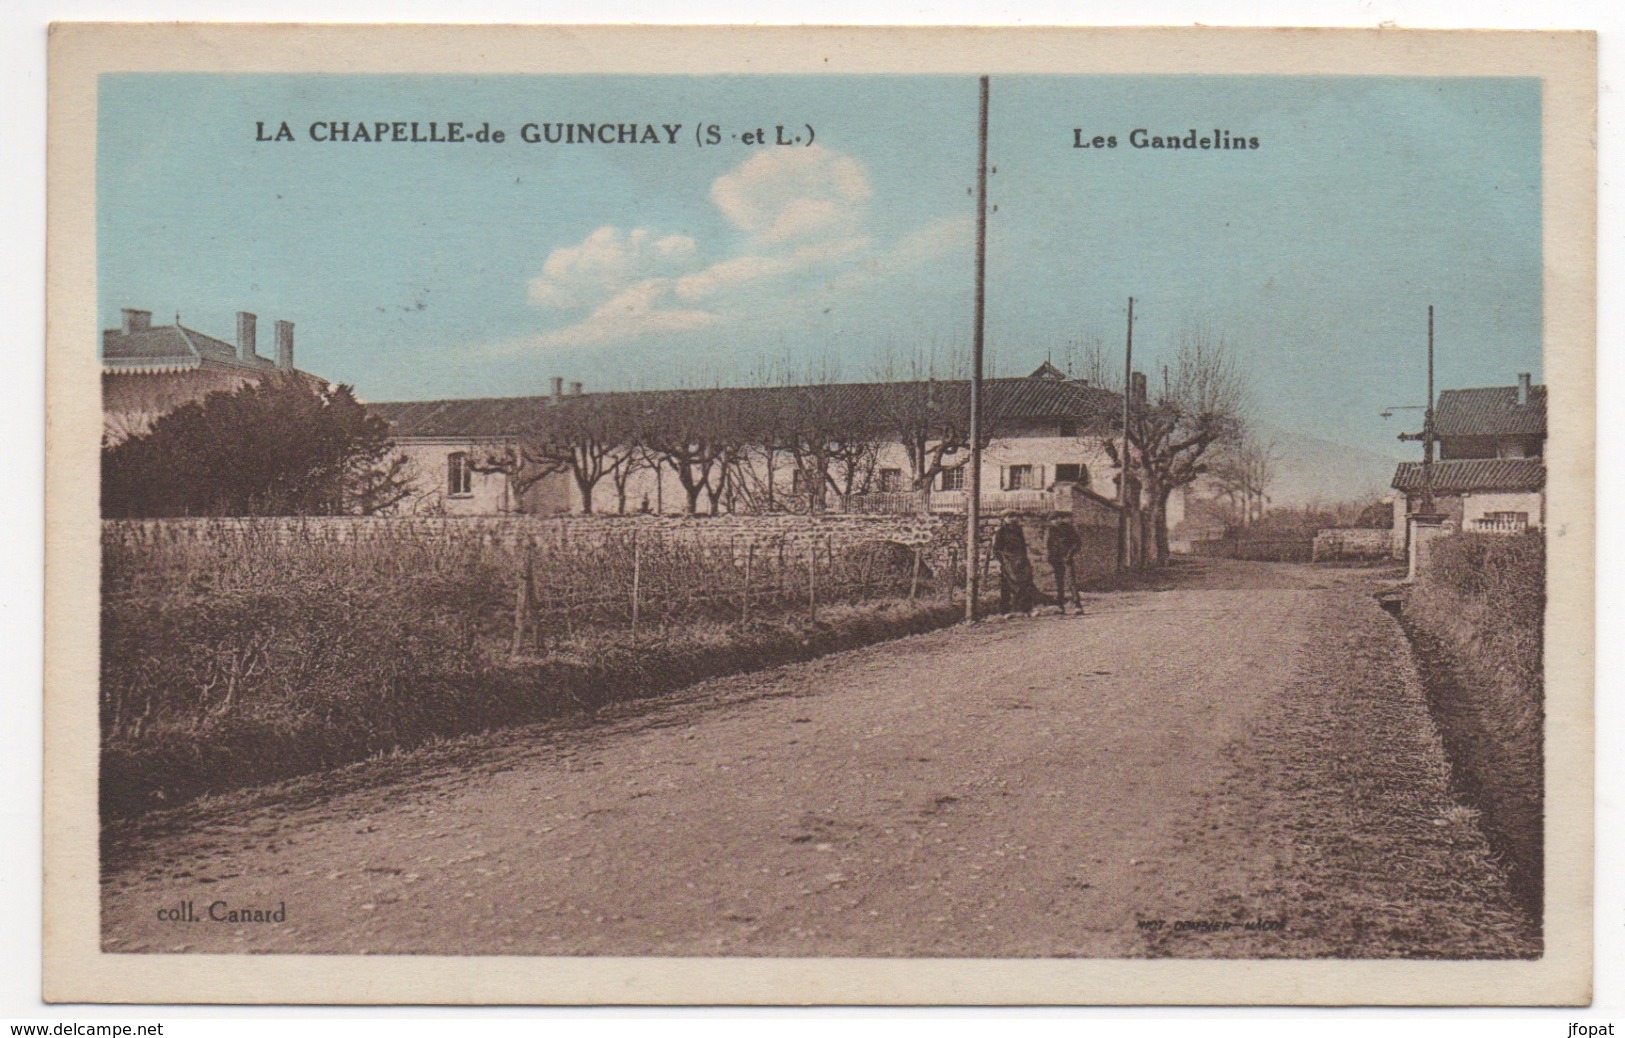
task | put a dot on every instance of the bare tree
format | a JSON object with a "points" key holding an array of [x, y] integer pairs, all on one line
{"points": [[586, 436], [1200, 404], [1087, 359], [922, 402], [1242, 473], [632, 458], [697, 433]]}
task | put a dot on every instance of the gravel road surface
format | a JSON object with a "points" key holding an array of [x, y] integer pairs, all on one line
{"points": [[1242, 764]]}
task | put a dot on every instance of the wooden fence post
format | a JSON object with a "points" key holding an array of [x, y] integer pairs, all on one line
{"points": [[521, 608], [637, 577], [750, 554], [812, 581], [914, 577]]}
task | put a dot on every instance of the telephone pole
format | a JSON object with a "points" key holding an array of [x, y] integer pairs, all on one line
{"points": [[1123, 553], [1427, 435], [973, 504]]}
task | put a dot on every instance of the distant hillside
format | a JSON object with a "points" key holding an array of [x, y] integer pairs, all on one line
{"points": [[1312, 469]]}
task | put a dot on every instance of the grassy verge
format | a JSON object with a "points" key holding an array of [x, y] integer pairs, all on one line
{"points": [[1476, 619], [1357, 844], [168, 764]]}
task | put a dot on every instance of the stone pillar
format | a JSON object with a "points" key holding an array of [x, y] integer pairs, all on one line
{"points": [[1424, 529]]}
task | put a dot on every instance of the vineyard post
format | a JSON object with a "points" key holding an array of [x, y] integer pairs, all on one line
{"points": [[914, 576], [812, 581], [744, 609], [521, 607], [637, 576], [829, 561]]}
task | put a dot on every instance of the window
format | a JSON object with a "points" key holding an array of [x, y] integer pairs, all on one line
{"points": [[891, 481], [1019, 477], [1072, 474], [952, 479], [459, 476]]}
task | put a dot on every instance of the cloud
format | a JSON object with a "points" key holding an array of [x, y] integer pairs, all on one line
{"points": [[607, 262], [732, 274], [638, 310], [789, 195], [802, 216]]}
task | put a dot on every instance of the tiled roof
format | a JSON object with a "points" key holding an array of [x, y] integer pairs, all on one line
{"points": [[1454, 477], [1490, 412], [1006, 399], [168, 347]]}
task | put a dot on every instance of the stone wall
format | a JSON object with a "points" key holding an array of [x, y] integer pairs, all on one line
{"points": [[1353, 544], [940, 536]]}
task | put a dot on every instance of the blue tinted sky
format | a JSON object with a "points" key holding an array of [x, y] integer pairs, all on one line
{"points": [[457, 270]]}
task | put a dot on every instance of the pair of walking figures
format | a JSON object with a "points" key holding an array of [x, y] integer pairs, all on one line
{"points": [[1017, 592]]}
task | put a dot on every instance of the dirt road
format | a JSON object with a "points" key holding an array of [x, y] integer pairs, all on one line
{"points": [[1250, 747]]}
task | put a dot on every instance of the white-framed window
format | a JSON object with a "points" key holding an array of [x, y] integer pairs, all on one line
{"points": [[1020, 477], [891, 481], [952, 479], [459, 475]]}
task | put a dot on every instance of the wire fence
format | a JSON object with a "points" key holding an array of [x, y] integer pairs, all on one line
{"points": [[634, 581], [518, 594]]}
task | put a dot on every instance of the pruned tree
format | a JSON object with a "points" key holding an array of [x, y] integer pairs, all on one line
{"points": [[922, 403], [1200, 404], [632, 458], [696, 434], [827, 433], [282, 445]]}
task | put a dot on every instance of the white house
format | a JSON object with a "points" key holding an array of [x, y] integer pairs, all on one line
{"points": [[1491, 476], [1046, 435]]}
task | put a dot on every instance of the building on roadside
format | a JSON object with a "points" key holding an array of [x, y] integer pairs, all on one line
{"points": [[1046, 437], [149, 370], [1491, 472]]}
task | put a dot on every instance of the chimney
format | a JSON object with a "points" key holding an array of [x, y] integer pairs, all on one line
{"points": [[284, 345], [1523, 389], [558, 386], [575, 389], [136, 320], [245, 335]]}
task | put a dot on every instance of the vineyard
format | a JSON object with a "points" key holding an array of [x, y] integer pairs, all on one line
{"points": [[233, 656]]}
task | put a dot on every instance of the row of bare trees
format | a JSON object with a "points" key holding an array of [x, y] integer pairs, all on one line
{"points": [[725, 445]]}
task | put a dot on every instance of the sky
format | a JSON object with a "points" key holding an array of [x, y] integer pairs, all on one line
{"points": [[431, 270]]}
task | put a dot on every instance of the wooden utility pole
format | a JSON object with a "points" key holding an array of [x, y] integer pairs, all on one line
{"points": [[973, 503], [1427, 433], [1427, 428], [1123, 553]]}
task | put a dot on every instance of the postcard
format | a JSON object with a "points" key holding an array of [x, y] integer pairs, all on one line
{"points": [[774, 516]]}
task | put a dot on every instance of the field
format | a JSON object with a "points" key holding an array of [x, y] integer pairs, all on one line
{"points": [[256, 653]]}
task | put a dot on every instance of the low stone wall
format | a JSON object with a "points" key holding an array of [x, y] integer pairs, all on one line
{"points": [[1332, 545], [940, 536], [796, 533]]}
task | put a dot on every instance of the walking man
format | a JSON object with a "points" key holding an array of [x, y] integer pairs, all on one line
{"points": [[1061, 544]]}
